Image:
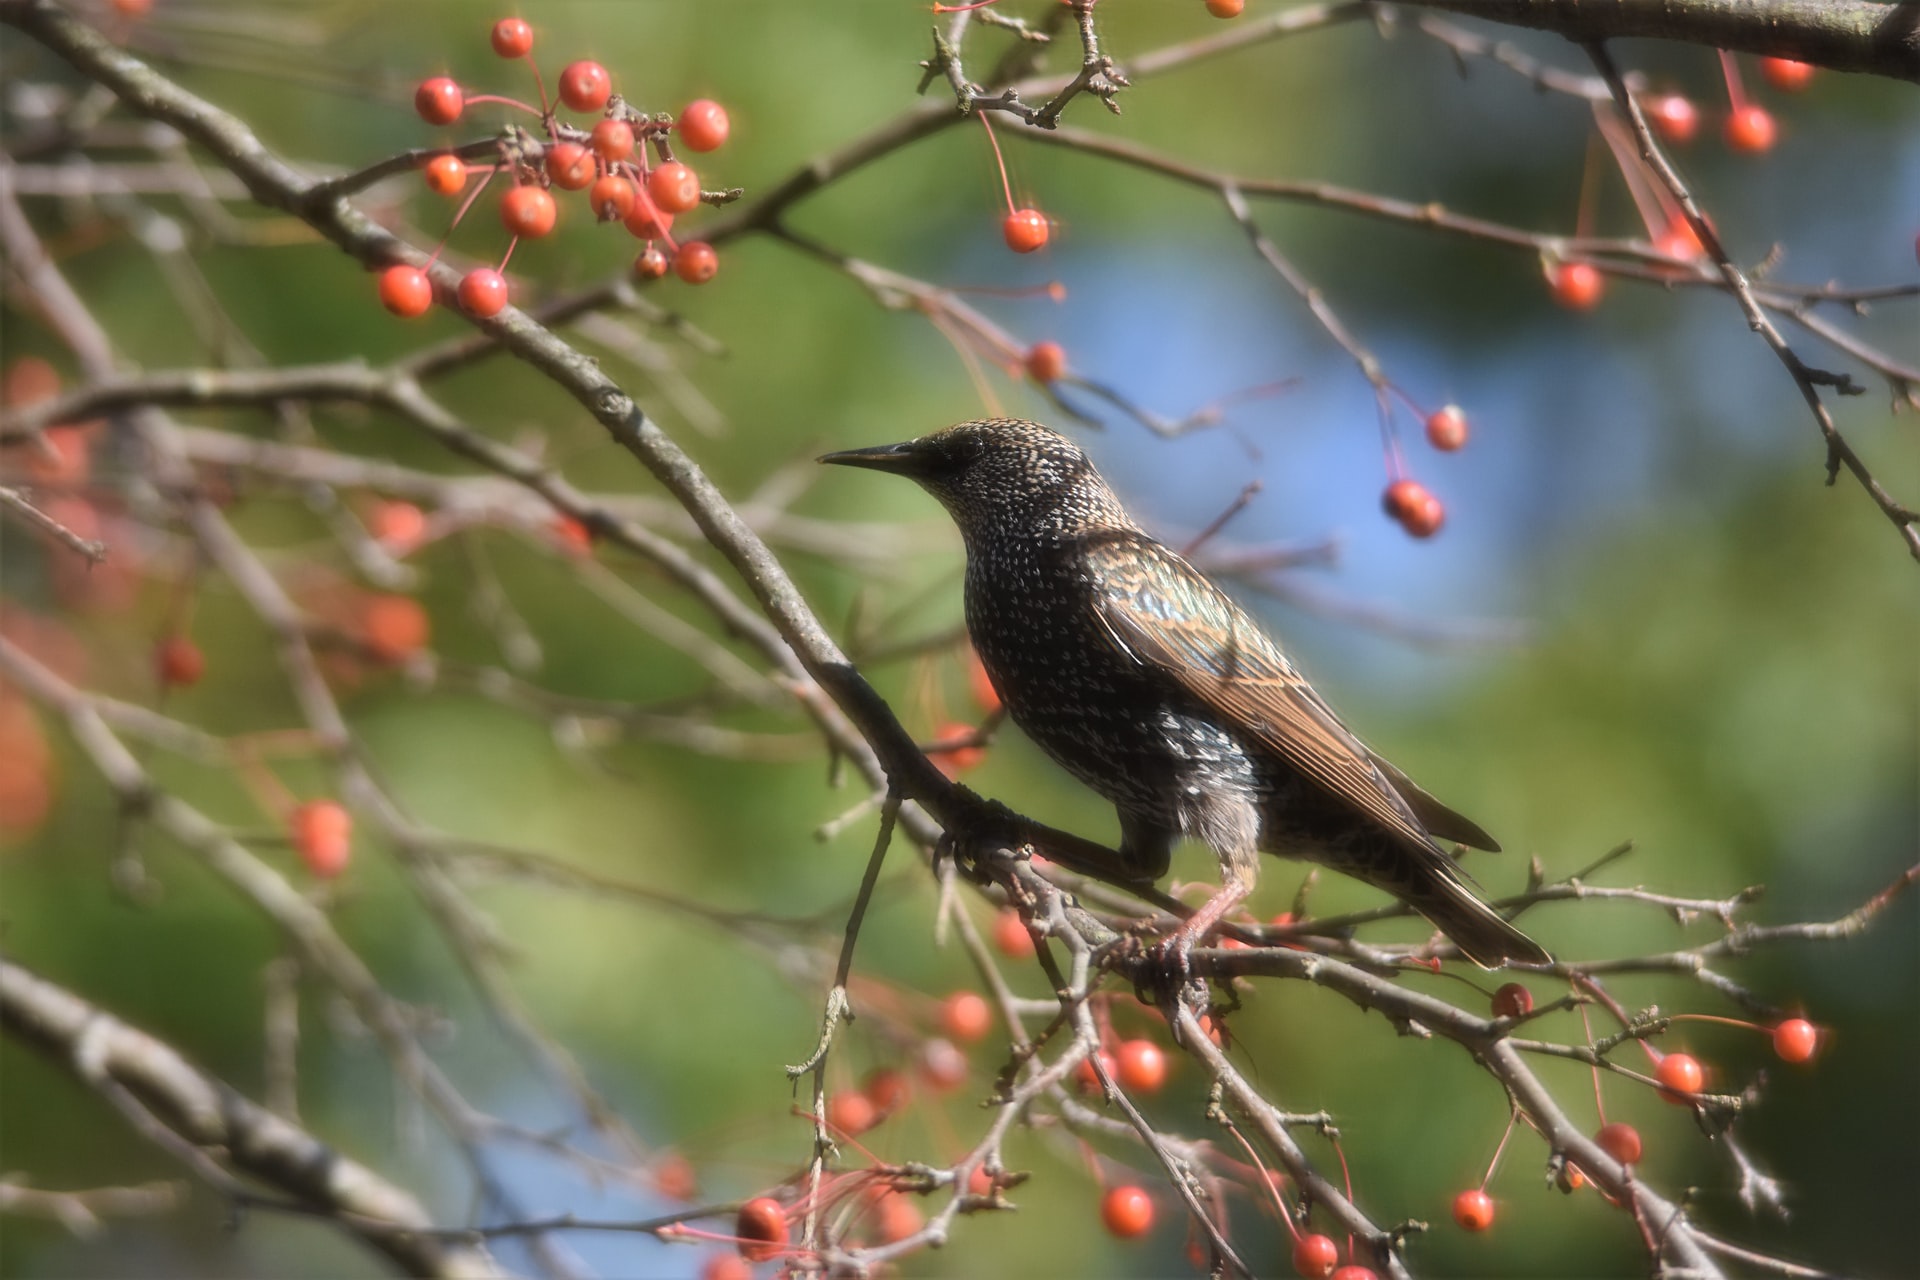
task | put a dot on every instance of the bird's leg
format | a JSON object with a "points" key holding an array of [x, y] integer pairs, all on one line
{"points": [[1174, 954]]}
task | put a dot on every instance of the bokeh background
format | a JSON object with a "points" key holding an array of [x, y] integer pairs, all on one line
{"points": [[1654, 622]]}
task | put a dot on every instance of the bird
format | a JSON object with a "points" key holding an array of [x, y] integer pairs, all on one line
{"points": [[1148, 683]]}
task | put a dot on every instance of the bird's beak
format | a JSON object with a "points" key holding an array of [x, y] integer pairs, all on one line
{"points": [[904, 459]]}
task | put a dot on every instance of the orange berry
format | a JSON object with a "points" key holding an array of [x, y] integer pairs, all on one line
{"points": [[647, 222], [1578, 286], [1621, 1141], [445, 175], [1473, 1210], [966, 1016], [1447, 428], [1010, 935], [1025, 230], [483, 292], [1353, 1271], [696, 263], [675, 188], [323, 837], [529, 212], [1226, 8], [762, 1228], [1786, 75], [612, 198], [726, 1266], [1046, 361], [1673, 117], [395, 627], [1415, 508], [512, 38], [674, 1178], [570, 166], [887, 1090], [585, 86], [405, 291], [1751, 130], [1088, 1077], [439, 100], [612, 140], [899, 1217], [963, 755], [397, 526], [1796, 1040], [703, 125], [1142, 1067], [1127, 1212], [1680, 1074], [851, 1113], [980, 684], [179, 661], [1315, 1256]]}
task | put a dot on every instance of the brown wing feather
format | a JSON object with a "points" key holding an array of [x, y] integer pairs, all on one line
{"points": [[1165, 613]]}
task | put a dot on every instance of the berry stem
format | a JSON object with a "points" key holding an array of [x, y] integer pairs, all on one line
{"points": [[508, 256], [1001, 160], [1736, 93], [1498, 1151], [477, 99]]}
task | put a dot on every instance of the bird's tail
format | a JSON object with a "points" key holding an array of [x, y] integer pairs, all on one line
{"points": [[1481, 933]]}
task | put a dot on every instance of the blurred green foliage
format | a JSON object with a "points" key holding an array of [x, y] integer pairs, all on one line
{"points": [[1721, 666]]}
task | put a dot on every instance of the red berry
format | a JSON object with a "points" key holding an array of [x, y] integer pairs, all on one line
{"points": [[980, 684], [726, 1266], [1680, 240], [1354, 1272], [1025, 230], [886, 1089], [1088, 1077], [1046, 361], [1795, 1040], [762, 1228], [395, 627], [1127, 1211], [573, 534], [612, 140], [179, 661], [1786, 75], [674, 1178], [966, 1016], [397, 526], [1447, 428], [899, 1218], [133, 8], [851, 1113], [1473, 1210], [1680, 1073], [483, 292], [529, 212], [1010, 935], [1315, 1256], [512, 38], [675, 188], [963, 755], [1226, 8], [445, 175], [646, 222], [612, 198], [942, 1065], [1512, 1001], [1621, 1141], [696, 263], [1416, 509], [1142, 1066], [1673, 117], [322, 834], [439, 100], [703, 125], [405, 291], [1751, 129], [651, 264], [1578, 286], [585, 86], [570, 165]]}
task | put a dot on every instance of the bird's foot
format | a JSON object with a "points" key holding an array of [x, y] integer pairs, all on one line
{"points": [[1167, 968]]}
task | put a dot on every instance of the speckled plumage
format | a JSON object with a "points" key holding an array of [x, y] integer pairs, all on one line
{"points": [[1146, 682]]}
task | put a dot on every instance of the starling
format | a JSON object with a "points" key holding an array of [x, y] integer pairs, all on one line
{"points": [[1147, 683]]}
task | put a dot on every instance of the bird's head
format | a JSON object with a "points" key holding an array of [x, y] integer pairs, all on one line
{"points": [[1000, 474]]}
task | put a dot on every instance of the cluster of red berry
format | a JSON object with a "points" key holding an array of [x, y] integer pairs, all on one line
{"points": [[609, 162]]}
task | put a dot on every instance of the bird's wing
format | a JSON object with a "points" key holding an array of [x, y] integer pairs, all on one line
{"points": [[1167, 615]]}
